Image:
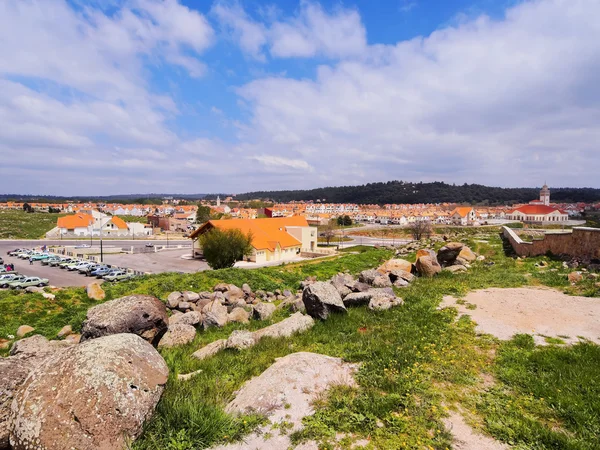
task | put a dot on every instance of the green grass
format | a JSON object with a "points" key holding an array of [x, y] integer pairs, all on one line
{"points": [[136, 219], [416, 361], [17, 224]]}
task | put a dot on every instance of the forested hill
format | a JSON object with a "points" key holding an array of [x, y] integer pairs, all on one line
{"points": [[436, 192]]}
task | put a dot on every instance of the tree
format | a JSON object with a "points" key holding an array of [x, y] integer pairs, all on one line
{"points": [[202, 214], [328, 232], [27, 208], [420, 229], [222, 248]]}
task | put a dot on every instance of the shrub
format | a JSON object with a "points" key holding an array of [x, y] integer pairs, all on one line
{"points": [[222, 248]]}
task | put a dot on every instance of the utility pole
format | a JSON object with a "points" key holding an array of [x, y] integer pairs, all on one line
{"points": [[101, 250]]}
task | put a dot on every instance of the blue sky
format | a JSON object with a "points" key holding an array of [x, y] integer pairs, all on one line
{"points": [[193, 96]]}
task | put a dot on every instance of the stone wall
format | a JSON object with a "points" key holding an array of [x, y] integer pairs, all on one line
{"points": [[582, 242]]}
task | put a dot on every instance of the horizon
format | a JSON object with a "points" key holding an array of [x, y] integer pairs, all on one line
{"points": [[101, 97]]}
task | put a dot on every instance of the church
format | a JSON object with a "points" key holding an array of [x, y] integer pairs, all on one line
{"points": [[538, 211]]}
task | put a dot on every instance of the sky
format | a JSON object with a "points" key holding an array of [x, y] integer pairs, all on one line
{"points": [[103, 97]]}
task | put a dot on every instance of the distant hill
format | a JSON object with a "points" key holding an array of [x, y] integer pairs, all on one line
{"points": [[436, 192], [120, 198]]}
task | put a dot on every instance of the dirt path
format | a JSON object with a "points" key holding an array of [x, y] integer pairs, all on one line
{"points": [[465, 438], [538, 311]]}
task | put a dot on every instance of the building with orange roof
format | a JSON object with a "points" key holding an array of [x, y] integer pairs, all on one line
{"points": [[273, 239], [537, 213], [76, 224], [463, 215]]}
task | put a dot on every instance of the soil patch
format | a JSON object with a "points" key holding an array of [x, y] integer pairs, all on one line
{"points": [[465, 438], [538, 311]]}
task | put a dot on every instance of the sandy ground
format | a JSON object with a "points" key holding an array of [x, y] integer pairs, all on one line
{"points": [[465, 438], [537, 311]]}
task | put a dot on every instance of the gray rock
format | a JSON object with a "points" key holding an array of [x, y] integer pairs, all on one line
{"points": [[363, 298], [34, 290], [34, 346], [214, 314], [368, 276], [342, 282], [190, 297], [384, 302], [264, 311], [401, 274], [143, 315], [94, 395], [427, 266], [65, 331], [13, 372], [240, 340], [360, 287], [400, 283], [189, 318], [239, 315], [322, 299], [296, 323], [177, 334], [173, 299], [455, 268], [209, 350], [246, 290], [184, 306], [382, 281]]}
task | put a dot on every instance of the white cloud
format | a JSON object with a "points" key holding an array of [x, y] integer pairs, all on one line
{"points": [[310, 32], [278, 161]]}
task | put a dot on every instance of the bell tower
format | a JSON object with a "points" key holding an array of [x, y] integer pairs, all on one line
{"points": [[545, 195]]}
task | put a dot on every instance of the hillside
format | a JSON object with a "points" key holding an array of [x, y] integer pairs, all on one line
{"points": [[435, 192]]}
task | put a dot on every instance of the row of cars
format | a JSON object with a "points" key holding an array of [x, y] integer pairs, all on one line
{"points": [[18, 281]]}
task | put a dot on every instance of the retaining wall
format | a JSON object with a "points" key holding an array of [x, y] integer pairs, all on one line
{"points": [[582, 242]]}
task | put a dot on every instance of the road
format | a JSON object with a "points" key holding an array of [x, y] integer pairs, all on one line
{"points": [[137, 243]]}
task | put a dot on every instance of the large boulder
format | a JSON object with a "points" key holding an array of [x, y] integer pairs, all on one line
{"points": [[95, 291], [395, 264], [143, 315], [425, 252], [214, 314], [34, 346], [177, 334], [428, 266], [264, 311], [13, 372], [449, 252], [90, 396], [322, 299]]}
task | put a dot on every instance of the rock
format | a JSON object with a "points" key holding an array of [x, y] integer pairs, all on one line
{"points": [[322, 299], [173, 299], [427, 266], [382, 281], [264, 311], [294, 304], [240, 340], [177, 334], [246, 290], [34, 346], [48, 296], [574, 277], [184, 306], [467, 254], [143, 315], [214, 314], [34, 290], [239, 315], [296, 323], [65, 331], [307, 282], [190, 297], [4, 344], [189, 318], [448, 253], [95, 291], [360, 287], [460, 262], [13, 372], [219, 297], [73, 339], [94, 395], [425, 252], [395, 264], [221, 287], [287, 293], [209, 350], [343, 282], [368, 276], [205, 295], [383, 302], [455, 268], [400, 283], [235, 293], [23, 330], [481, 258], [200, 304], [363, 298], [401, 274]]}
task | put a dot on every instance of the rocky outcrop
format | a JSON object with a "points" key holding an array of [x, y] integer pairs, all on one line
{"points": [[214, 314], [143, 315], [428, 266], [89, 396], [13, 372], [449, 252], [95, 291], [322, 299], [34, 346], [177, 334]]}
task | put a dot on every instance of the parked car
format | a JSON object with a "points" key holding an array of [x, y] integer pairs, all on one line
{"points": [[16, 251], [149, 244], [24, 254], [9, 279], [39, 256], [99, 273], [89, 268], [71, 265], [49, 259], [126, 276], [28, 281], [113, 275], [6, 277], [83, 246], [56, 263], [78, 267]]}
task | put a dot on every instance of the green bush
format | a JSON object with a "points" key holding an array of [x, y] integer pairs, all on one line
{"points": [[222, 248]]}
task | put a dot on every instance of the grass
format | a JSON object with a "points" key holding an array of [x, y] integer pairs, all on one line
{"points": [[17, 224], [415, 362]]}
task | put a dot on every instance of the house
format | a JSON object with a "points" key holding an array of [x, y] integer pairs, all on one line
{"points": [[76, 224], [463, 215], [537, 213], [276, 239], [114, 226]]}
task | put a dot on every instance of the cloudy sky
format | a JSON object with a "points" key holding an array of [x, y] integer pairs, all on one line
{"points": [[198, 96]]}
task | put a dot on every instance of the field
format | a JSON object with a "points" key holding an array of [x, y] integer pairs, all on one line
{"points": [[17, 224], [417, 361]]}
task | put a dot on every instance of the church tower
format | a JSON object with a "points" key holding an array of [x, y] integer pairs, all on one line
{"points": [[219, 200], [545, 195]]}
